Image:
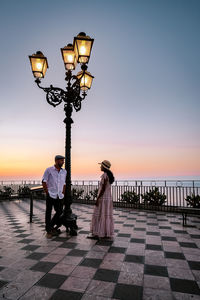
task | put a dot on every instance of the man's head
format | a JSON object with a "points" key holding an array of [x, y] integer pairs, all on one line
{"points": [[59, 160]]}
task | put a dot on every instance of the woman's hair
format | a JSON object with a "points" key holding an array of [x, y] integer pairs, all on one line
{"points": [[110, 175]]}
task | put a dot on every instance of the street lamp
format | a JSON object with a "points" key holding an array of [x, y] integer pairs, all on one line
{"points": [[39, 64], [77, 86], [69, 57], [82, 47]]}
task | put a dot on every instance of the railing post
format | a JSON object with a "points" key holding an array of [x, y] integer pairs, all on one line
{"points": [[31, 207]]}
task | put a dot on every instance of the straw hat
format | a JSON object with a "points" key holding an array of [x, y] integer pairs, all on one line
{"points": [[106, 164]]}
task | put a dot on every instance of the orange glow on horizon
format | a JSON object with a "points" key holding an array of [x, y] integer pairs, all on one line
{"points": [[134, 163]]}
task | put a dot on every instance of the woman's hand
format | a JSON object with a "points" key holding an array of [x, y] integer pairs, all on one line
{"points": [[97, 202]]}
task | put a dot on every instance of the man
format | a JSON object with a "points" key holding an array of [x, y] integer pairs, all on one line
{"points": [[53, 183]]}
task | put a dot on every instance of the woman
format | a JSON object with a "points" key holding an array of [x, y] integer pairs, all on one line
{"points": [[102, 225]]}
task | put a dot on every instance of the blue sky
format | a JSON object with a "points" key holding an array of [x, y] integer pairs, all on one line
{"points": [[142, 112]]}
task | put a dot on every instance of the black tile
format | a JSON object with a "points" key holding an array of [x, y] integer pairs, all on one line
{"points": [[83, 232], [165, 227], [141, 221], [1, 268], [168, 238], [117, 250], [135, 258], [91, 262], [194, 265], [118, 222], [188, 245], [15, 226], [195, 236], [152, 224], [153, 247], [53, 281], [128, 292], [192, 226], [184, 286], [153, 233], [175, 255], [64, 295], [106, 275], [180, 231], [43, 266], [26, 241], [155, 270], [36, 255], [128, 225], [77, 252], [68, 245], [141, 241], [124, 235], [175, 223], [19, 231], [104, 243], [30, 247], [22, 235], [61, 239], [2, 283], [131, 218], [139, 229]]}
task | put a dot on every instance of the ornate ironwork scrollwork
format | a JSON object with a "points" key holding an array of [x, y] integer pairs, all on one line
{"points": [[54, 96], [77, 104]]}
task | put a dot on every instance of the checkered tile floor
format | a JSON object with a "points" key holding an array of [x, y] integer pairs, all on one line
{"points": [[151, 257]]}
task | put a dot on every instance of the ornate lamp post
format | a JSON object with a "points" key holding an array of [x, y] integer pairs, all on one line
{"points": [[77, 86]]}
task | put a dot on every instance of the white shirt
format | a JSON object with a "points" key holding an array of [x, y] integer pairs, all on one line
{"points": [[55, 181]]}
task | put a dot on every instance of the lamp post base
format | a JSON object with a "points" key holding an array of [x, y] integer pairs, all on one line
{"points": [[68, 219]]}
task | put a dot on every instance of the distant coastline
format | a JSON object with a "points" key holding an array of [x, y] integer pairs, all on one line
{"points": [[128, 178]]}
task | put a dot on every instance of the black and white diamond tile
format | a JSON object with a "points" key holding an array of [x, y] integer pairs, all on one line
{"points": [[151, 257]]}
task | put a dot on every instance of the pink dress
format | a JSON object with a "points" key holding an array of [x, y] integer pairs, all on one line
{"points": [[102, 223]]}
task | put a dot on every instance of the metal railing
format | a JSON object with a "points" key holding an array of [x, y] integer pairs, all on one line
{"points": [[175, 191]]}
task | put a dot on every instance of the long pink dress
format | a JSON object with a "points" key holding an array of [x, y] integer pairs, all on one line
{"points": [[102, 224]]}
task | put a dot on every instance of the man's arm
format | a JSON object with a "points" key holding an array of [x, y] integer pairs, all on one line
{"points": [[45, 188], [44, 181], [64, 188]]}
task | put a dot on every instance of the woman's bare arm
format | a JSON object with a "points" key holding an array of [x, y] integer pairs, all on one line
{"points": [[101, 192]]}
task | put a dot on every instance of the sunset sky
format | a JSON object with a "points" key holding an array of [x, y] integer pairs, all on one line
{"points": [[143, 110]]}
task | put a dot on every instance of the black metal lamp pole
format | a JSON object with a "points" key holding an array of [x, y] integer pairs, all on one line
{"points": [[68, 121], [75, 93]]}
